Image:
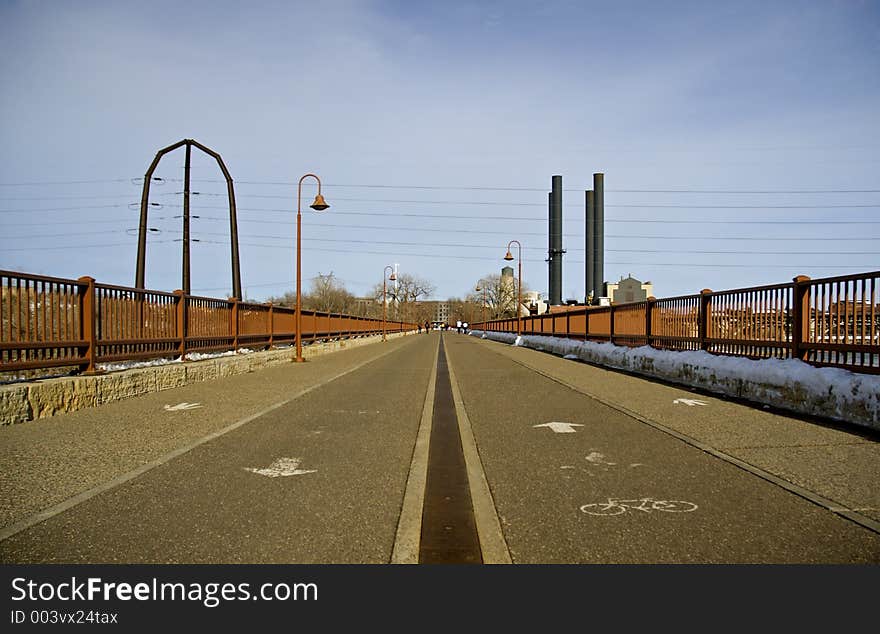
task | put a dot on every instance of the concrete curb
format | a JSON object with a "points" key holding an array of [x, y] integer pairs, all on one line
{"points": [[22, 402]]}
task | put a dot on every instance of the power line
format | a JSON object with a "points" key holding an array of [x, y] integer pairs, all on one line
{"points": [[397, 254], [577, 219], [578, 236], [104, 196], [610, 220], [32, 236], [444, 256], [493, 246], [27, 211], [82, 182], [682, 190], [574, 236], [506, 218], [496, 203], [83, 246], [544, 204], [466, 257], [675, 190]]}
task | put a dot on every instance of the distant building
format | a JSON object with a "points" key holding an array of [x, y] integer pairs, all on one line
{"points": [[507, 279], [365, 306], [628, 290], [441, 312], [438, 310], [533, 303], [508, 288]]}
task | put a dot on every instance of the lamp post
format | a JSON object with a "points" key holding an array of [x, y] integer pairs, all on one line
{"points": [[318, 205], [384, 296], [509, 257]]}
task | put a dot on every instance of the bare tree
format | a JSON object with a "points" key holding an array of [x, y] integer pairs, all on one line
{"points": [[468, 309], [500, 295], [287, 299], [327, 295], [403, 298]]}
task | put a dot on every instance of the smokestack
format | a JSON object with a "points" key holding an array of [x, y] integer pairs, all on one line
{"points": [[599, 236], [549, 247], [590, 224], [556, 241]]}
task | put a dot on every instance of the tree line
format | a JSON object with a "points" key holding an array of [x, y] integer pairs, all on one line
{"points": [[492, 297]]}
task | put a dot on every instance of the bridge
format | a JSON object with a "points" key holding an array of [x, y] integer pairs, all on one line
{"points": [[438, 447]]}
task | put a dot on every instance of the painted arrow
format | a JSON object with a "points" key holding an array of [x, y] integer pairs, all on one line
{"points": [[690, 402], [560, 428], [281, 468], [182, 406]]}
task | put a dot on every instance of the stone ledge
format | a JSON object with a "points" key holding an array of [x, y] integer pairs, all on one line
{"points": [[22, 402]]}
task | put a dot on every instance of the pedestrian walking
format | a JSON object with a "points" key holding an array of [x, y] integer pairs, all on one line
{"points": [[426, 327], [458, 326]]}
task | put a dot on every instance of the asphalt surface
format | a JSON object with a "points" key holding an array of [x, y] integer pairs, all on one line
{"points": [[548, 485], [352, 436], [309, 463]]}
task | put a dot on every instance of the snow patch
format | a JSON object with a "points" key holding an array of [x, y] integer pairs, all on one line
{"points": [[191, 356], [786, 383]]}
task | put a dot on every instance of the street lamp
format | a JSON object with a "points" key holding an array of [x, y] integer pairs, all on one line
{"points": [[318, 205], [509, 257], [384, 291]]}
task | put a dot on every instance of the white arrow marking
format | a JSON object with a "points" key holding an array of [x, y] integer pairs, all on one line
{"points": [[690, 402], [281, 468], [182, 406], [560, 428]]}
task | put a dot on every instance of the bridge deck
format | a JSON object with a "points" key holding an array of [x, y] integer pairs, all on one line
{"points": [[319, 462]]}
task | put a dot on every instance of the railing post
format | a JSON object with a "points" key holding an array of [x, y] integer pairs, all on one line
{"points": [[88, 330], [800, 327], [649, 314], [180, 309], [271, 327], [587, 312], [611, 323], [705, 318], [235, 303]]}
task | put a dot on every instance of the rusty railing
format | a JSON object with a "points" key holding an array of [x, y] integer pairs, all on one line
{"points": [[832, 322], [48, 322]]}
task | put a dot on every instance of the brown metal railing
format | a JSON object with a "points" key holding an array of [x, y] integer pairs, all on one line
{"points": [[48, 322], [831, 322]]}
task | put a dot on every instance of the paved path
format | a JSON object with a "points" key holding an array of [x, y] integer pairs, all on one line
{"points": [[554, 490], [327, 462]]}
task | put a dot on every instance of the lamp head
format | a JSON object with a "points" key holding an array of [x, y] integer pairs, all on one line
{"points": [[320, 204], [478, 289], [393, 277], [508, 256]]}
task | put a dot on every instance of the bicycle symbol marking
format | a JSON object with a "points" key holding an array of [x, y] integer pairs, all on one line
{"points": [[615, 506]]}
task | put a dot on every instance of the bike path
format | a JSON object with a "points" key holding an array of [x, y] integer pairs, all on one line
{"points": [[835, 465], [320, 479], [47, 462], [540, 480]]}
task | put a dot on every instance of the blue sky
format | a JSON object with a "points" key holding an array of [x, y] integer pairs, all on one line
{"points": [[436, 128]]}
